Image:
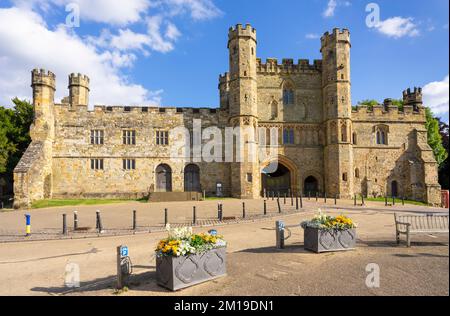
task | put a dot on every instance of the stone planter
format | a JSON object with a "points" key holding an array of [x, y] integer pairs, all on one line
{"points": [[325, 241], [176, 273]]}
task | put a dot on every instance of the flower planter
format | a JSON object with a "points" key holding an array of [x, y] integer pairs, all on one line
{"points": [[176, 273], [319, 241]]}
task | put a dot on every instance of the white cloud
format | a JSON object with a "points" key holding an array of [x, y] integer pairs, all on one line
{"points": [[129, 40], [312, 36], [398, 27], [436, 96], [198, 9], [157, 41], [30, 44], [330, 9]]}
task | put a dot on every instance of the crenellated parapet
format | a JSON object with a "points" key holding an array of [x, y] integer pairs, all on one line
{"points": [[287, 66], [79, 80], [337, 36], [241, 32], [413, 97], [43, 77], [388, 112]]}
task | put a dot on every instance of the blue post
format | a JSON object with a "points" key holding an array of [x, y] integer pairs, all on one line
{"points": [[28, 225]]}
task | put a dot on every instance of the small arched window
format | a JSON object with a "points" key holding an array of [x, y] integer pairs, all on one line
{"points": [[344, 132], [382, 133], [357, 173], [288, 94], [354, 139]]}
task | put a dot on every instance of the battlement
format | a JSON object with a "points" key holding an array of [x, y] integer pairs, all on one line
{"points": [[43, 77], [151, 110], [388, 112], [79, 80], [413, 98], [241, 31], [336, 36], [287, 66]]}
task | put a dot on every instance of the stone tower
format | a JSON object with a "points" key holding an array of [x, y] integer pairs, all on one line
{"points": [[44, 86], [413, 98], [337, 109], [78, 90], [243, 112]]}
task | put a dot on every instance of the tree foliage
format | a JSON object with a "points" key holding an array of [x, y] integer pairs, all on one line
{"points": [[14, 135]]}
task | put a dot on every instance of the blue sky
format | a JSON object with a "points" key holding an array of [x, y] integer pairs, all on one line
{"points": [[170, 52]]}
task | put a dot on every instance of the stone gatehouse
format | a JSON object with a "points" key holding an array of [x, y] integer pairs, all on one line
{"points": [[324, 144]]}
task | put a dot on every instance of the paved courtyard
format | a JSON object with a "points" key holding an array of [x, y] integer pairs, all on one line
{"points": [[255, 267]]}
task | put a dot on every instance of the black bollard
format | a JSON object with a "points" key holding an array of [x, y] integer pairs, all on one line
{"points": [[325, 198], [273, 196], [166, 217], [99, 223], [301, 200], [265, 207], [317, 196], [335, 199], [134, 220], [296, 203], [393, 200], [64, 224], [385, 200], [279, 206], [362, 200], [75, 220], [243, 209], [194, 215], [284, 199], [355, 200]]}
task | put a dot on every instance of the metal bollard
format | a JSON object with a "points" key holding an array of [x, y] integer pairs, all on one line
{"points": [[99, 223], [301, 200], [296, 203], [221, 212], [325, 198], [64, 224], [194, 215], [265, 207], [385, 200], [134, 220], [273, 196], [393, 201], [243, 209], [75, 220], [284, 199], [363, 203], [28, 225], [166, 217], [279, 229], [279, 205], [292, 199], [317, 196], [355, 200]]}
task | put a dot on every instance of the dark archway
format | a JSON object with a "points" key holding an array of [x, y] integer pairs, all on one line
{"points": [[276, 181], [163, 178], [311, 186], [394, 188], [192, 178]]}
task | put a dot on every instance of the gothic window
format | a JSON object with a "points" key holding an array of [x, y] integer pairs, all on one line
{"points": [[345, 177], [288, 136], [288, 95], [381, 133], [357, 173]]}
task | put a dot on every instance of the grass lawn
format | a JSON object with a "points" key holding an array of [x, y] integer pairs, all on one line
{"points": [[57, 203], [397, 201]]}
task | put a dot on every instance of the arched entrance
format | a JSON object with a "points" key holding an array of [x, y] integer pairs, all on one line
{"points": [[394, 189], [278, 180], [311, 186], [163, 178], [192, 178]]}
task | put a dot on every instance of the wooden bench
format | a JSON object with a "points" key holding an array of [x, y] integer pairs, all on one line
{"points": [[420, 224]]}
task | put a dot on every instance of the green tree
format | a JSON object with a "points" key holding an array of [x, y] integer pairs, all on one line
{"points": [[14, 135]]}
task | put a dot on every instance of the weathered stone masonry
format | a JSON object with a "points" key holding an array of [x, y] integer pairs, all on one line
{"points": [[325, 146]]}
